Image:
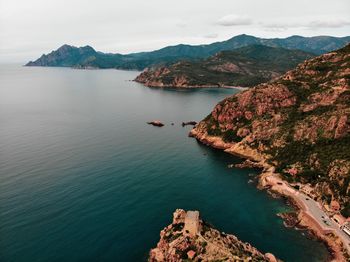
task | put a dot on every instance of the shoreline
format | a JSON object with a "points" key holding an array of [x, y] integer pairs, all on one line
{"points": [[92, 68], [273, 183], [191, 86]]}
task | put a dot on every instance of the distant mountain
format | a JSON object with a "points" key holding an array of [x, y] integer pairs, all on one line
{"points": [[71, 56], [245, 66], [86, 57]]}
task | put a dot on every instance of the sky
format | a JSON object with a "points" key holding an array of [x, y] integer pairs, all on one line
{"points": [[29, 28]]}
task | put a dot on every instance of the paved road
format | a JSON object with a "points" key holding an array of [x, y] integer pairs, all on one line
{"points": [[310, 206], [316, 211]]}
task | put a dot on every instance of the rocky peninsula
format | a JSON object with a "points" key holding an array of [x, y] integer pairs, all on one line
{"points": [[246, 66], [296, 128], [189, 238]]}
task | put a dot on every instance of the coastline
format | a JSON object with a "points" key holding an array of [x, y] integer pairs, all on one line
{"points": [[274, 183], [161, 85]]}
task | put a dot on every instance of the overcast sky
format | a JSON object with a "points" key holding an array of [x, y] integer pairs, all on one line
{"points": [[29, 28]]}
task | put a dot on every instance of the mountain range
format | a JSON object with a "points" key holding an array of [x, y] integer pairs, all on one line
{"points": [[87, 57]]}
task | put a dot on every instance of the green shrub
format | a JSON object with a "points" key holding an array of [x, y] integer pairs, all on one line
{"points": [[346, 211], [231, 136], [213, 131]]}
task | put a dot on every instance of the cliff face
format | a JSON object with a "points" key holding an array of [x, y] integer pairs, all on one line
{"points": [[245, 66], [189, 237], [299, 123]]}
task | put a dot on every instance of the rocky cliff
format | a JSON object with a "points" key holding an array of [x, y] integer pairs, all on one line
{"points": [[189, 238], [298, 123], [246, 66]]}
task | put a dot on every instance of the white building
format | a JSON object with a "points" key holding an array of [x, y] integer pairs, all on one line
{"points": [[346, 228]]}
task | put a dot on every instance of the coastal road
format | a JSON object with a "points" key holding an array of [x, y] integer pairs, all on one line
{"points": [[314, 209], [309, 206]]}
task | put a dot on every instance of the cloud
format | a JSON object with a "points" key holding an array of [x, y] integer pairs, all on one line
{"points": [[307, 24], [336, 23], [211, 36], [181, 24], [234, 20]]}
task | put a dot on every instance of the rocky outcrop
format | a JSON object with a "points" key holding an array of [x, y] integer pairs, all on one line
{"points": [[298, 123], [248, 164], [192, 123], [156, 123], [245, 66], [191, 238]]}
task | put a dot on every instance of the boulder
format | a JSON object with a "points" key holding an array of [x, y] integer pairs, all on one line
{"points": [[156, 123]]}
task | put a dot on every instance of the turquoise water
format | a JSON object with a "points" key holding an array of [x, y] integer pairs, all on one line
{"points": [[83, 178]]}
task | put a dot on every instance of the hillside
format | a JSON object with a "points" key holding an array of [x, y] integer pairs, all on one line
{"points": [[87, 57], [298, 123], [189, 238], [245, 66], [70, 56]]}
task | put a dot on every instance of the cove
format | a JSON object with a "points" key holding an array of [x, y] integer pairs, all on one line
{"points": [[84, 178]]}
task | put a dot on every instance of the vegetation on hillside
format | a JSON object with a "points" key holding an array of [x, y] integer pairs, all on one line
{"points": [[300, 121], [246, 66], [84, 57]]}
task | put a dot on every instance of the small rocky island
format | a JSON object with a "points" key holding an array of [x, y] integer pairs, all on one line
{"points": [[189, 123], [189, 238], [155, 123]]}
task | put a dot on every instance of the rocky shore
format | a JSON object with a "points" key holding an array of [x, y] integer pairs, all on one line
{"points": [[297, 129], [189, 123], [274, 184], [189, 238]]}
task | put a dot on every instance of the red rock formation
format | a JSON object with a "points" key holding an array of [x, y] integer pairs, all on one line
{"points": [[299, 123], [204, 244]]}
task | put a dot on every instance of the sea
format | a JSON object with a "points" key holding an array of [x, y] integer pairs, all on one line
{"points": [[84, 178]]}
